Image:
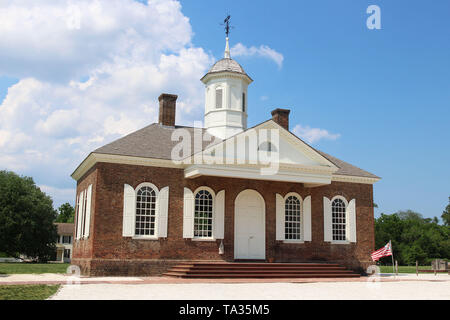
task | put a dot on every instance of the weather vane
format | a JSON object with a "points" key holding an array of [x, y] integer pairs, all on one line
{"points": [[227, 25]]}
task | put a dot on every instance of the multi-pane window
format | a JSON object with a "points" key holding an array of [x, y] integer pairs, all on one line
{"points": [[66, 239], [203, 219], [218, 98], [338, 210], [145, 211], [67, 253], [292, 221]]}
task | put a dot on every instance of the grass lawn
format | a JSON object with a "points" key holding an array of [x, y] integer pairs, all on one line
{"points": [[27, 292], [403, 269], [23, 268]]}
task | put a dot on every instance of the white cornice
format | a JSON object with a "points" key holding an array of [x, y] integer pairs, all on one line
{"points": [[226, 74], [354, 179], [308, 173], [240, 172]]}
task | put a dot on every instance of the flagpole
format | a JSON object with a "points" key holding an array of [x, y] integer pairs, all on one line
{"points": [[392, 255]]}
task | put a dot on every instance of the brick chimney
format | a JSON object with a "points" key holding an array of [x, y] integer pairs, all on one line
{"points": [[167, 109], [281, 116]]}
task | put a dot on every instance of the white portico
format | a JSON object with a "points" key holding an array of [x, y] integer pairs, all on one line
{"points": [[226, 97]]}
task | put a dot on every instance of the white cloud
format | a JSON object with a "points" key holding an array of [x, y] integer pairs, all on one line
{"points": [[263, 51], [313, 135], [61, 40], [58, 195], [126, 53]]}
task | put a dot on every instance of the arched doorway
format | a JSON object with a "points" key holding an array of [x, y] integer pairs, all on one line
{"points": [[249, 226]]}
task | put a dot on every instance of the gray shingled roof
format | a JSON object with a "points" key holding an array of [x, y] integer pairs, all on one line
{"points": [[154, 141], [346, 169], [227, 64]]}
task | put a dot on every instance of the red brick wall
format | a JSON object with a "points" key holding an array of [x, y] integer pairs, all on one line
{"points": [[82, 249], [110, 253]]}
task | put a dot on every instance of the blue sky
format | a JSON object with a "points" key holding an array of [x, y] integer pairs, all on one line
{"points": [[381, 96]]}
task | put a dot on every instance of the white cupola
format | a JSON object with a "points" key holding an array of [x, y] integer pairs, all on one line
{"points": [[226, 104]]}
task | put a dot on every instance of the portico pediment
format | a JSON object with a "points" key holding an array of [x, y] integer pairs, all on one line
{"points": [[265, 152]]}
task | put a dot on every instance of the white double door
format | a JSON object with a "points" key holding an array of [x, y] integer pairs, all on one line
{"points": [[249, 226]]}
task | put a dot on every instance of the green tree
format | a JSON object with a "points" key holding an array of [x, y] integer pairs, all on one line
{"points": [[26, 218], [409, 215], [414, 238], [66, 213], [446, 214]]}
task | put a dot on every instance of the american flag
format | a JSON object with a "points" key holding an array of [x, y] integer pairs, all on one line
{"points": [[383, 252]]}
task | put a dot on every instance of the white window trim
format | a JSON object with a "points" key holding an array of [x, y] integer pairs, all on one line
{"points": [[294, 241], [81, 215], [340, 241], [85, 210], [204, 239], [149, 238], [144, 237], [346, 241], [213, 194]]}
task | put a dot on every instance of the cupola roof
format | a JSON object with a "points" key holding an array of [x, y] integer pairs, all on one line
{"points": [[227, 65]]}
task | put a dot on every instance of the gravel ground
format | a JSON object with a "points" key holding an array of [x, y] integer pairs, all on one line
{"points": [[57, 277], [432, 288]]}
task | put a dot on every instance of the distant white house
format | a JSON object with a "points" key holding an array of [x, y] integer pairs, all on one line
{"points": [[64, 242]]}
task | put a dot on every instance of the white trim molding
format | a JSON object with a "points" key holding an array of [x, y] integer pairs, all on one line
{"points": [[248, 172], [311, 176], [354, 179]]}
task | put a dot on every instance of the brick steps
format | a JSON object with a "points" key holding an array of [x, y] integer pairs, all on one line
{"points": [[256, 269], [259, 270], [258, 265]]}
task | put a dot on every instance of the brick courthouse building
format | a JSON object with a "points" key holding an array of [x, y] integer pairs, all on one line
{"points": [[139, 212]]}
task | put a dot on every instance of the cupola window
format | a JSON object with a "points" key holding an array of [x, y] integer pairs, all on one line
{"points": [[219, 95]]}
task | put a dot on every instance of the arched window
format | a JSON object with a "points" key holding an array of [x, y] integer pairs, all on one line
{"points": [[292, 220], [203, 219], [145, 211], [219, 95], [339, 220]]}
